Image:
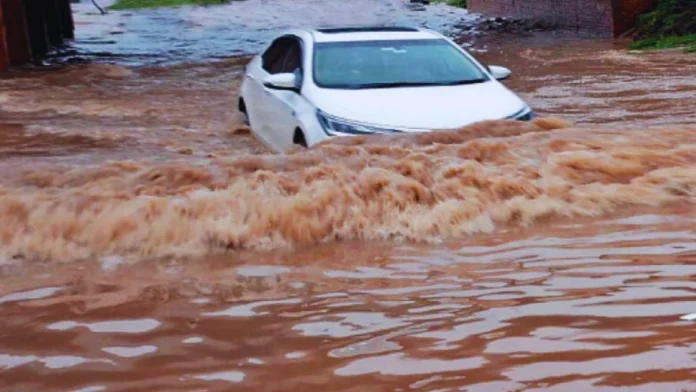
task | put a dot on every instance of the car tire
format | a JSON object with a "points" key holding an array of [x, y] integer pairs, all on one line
{"points": [[242, 108], [299, 138]]}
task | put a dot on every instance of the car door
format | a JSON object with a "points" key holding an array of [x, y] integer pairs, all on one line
{"points": [[283, 104], [258, 96]]}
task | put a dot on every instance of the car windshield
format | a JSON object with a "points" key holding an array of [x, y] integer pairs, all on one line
{"points": [[383, 64]]}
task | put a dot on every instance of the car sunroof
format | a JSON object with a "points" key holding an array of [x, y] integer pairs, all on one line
{"points": [[338, 30]]}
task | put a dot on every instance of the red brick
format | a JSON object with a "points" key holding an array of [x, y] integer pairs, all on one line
{"points": [[606, 18]]}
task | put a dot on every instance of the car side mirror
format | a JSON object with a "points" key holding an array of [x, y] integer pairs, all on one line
{"points": [[499, 73], [282, 81]]}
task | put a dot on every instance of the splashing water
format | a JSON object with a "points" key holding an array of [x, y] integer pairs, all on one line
{"points": [[426, 187]]}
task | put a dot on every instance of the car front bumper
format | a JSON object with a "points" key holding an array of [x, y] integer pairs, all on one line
{"points": [[525, 114]]}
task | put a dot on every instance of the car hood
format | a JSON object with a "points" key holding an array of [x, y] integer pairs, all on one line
{"points": [[437, 107]]}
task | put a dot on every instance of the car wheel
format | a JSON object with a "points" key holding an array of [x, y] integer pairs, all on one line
{"points": [[242, 108], [299, 138]]}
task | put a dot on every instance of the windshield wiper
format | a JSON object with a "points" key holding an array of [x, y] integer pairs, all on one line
{"points": [[416, 84], [391, 84], [461, 82]]}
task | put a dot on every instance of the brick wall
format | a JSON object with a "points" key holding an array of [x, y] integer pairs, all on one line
{"points": [[593, 17]]}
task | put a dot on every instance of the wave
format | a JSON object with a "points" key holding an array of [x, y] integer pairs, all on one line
{"points": [[419, 187]]}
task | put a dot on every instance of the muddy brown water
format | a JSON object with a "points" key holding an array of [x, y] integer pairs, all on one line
{"points": [[150, 243]]}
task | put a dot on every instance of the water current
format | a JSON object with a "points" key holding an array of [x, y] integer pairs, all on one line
{"points": [[150, 243]]}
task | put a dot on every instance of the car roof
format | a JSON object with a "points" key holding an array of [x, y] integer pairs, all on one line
{"points": [[370, 33]]}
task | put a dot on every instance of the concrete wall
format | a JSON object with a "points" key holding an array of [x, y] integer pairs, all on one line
{"points": [[603, 18]]}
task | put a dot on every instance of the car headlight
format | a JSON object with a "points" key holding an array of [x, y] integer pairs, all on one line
{"points": [[525, 114], [529, 116], [334, 126]]}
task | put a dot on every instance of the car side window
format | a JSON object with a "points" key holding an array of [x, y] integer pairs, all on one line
{"points": [[293, 58], [274, 57]]}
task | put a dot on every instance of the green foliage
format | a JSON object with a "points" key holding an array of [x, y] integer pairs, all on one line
{"points": [[671, 24], [669, 17], [666, 42], [132, 4], [453, 3]]}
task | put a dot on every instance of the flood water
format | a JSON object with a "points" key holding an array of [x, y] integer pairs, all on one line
{"points": [[239, 27], [150, 243]]}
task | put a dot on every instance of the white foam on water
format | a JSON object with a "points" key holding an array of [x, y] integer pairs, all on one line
{"points": [[95, 388], [63, 361], [261, 270], [193, 340], [8, 361], [111, 263], [231, 376], [248, 310], [120, 326], [689, 317], [30, 294], [130, 352]]}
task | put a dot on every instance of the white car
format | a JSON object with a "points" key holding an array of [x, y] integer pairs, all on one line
{"points": [[312, 85]]}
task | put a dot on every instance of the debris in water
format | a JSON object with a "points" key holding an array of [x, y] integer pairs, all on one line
{"points": [[240, 130]]}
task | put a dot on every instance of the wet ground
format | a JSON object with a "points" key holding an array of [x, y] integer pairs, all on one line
{"points": [[150, 243], [237, 28]]}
